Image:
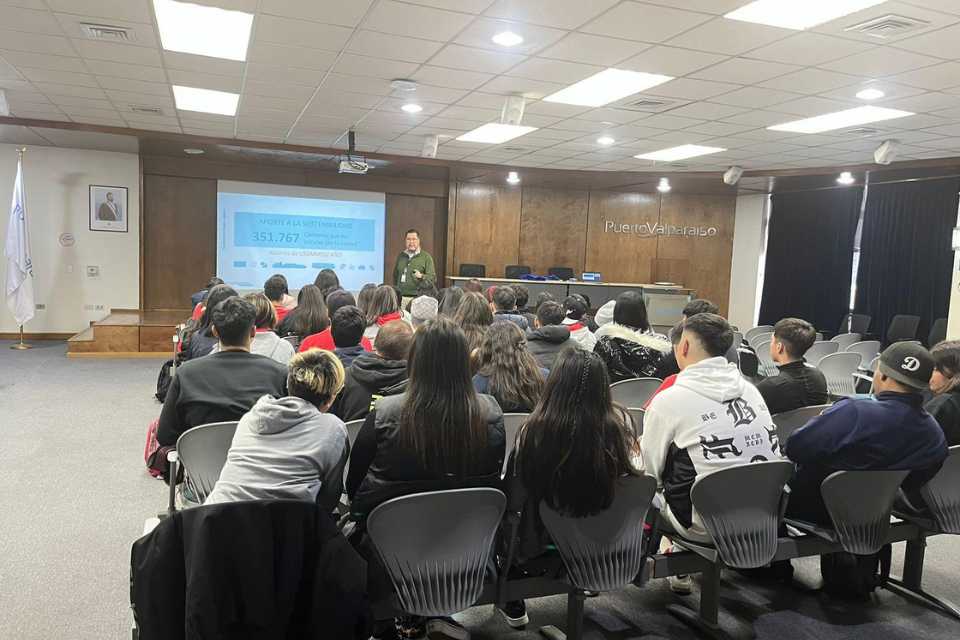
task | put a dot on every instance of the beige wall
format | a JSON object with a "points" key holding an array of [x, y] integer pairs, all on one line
{"points": [[745, 268]]}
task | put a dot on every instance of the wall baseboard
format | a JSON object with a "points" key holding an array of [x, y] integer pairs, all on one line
{"points": [[118, 354], [36, 336]]}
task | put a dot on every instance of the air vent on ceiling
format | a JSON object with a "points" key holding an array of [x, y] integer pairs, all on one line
{"points": [[888, 26], [648, 103], [862, 131], [107, 32], [153, 111]]}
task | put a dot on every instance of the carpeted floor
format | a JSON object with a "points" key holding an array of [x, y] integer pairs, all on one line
{"points": [[75, 495]]}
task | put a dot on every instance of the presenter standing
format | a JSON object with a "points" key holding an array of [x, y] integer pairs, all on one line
{"points": [[413, 267]]}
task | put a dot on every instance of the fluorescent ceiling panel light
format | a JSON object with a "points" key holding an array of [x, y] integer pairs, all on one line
{"points": [[682, 152], [507, 39], [206, 100], [841, 120], [870, 94], [203, 30], [797, 14], [607, 86], [412, 108], [495, 133]]}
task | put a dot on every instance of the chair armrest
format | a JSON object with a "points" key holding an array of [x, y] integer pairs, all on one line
{"points": [[172, 459]]}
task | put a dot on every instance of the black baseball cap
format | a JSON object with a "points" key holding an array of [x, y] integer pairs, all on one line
{"points": [[908, 363]]}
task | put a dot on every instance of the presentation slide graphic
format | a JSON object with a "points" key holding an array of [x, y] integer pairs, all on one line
{"points": [[260, 234]]}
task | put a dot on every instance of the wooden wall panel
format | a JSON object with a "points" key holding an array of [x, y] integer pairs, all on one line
{"points": [[180, 238], [487, 227], [709, 257], [621, 257], [426, 215], [553, 229]]}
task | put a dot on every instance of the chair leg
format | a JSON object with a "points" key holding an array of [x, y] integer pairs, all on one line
{"points": [[911, 586], [706, 620], [575, 601]]}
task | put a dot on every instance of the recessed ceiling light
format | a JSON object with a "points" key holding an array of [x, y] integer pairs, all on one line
{"points": [[664, 185], [513, 178], [206, 100], [846, 178], [412, 107], [190, 151], [507, 39], [495, 133], [607, 86], [841, 120], [605, 141], [203, 30], [793, 14], [870, 94], [679, 153]]}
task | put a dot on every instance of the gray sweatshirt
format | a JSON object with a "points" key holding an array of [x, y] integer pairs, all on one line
{"points": [[269, 344], [284, 448]]}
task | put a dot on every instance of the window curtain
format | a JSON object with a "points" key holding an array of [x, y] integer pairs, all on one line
{"points": [[810, 256], [906, 260]]}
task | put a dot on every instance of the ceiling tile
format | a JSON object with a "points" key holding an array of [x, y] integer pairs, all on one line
{"points": [[204, 80], [556, 109], [760, 118], [755, 97], [62, 77], [720, 128], [808, 47], [583, 47], [668, 122], [42, 61], [948, 6], [415, 21], [356, 84], [810, 106], [716, 7], [124, 84], [481, 31], [891, 88], [328, 96], [554, 70], [299, 33], [612, 114], [122, 70], [732, 37], [140, 34], [744, 71], [80, 101], [29, 20], [285, 74], [113, 52], [20, 41], [934, 20], [706, 110], [355, 65], [338, 12], [562, 14], [470, 114], [648, 23], [278, 103], [68, 90], [464, 6], [670, 61], [812, 81], [398, 47], [694, 89], [884, 61], [438, 94], [536, 89], [443, 77], [132, 10], [459, 57], [202, 64], [282, 55], [939, 76], [11, 134]]}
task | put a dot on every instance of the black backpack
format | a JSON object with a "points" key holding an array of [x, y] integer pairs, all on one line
{"points": [[852, 577], [164, 380]]}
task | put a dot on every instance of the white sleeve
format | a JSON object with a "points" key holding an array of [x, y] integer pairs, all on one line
{"points": [[657, 436]]}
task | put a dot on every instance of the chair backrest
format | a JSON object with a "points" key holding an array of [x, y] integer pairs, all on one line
{"points": [[203, 452], [938, 332], [902, 327], [846, 339], [636, 414], [868, 349], [564, 273], [767, 366], [435, 546], [468, 270], [942, 494], [872, 367], [818, 350], [855, 323], [515, 271], [859, 504], [838, 369], [740, 509], [737, 339], [293, 340], [511, 426], [757, 339], [604, 552], [789, 421], [759, 330], [353, 428], [634, 392]]}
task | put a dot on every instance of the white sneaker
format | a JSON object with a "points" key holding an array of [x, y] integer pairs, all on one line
{"points": [[681, 585]]}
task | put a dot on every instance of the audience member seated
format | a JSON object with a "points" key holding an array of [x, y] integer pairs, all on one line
{"points": [[224, 385], [473, 286], [474, 318], [571, 452], [692, 308], [324, 339], [945, 384], [587, 318], [575, 307], [275, 288], [449, 301], [266, 342], [384, 307], [375, 375], [710, 419], [347, 328], [364, 297], [290, 447], [197, 299], [549, 337], [542, 297], [507, 371], [675, 334], [890, 431], [523, 297], [309, 317], [199, 339], [439, 434], [627, 345], [423, 309], [504, 307], [798, 384], [327, 281]]}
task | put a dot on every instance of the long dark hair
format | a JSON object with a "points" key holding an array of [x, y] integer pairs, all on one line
{"points": [[473, 317], [328, 281], [215, 295], [310, 316], [946, 357], [576, 443], [364, 296], [631, 311], [515, 377], [384, 301], [449, 301], [442, 420]]}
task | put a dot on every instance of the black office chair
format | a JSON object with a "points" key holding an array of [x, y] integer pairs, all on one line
{"points": [[564, 273], [902, 327], [516, 271], [938, 332], [855, 323], [468, 270]]}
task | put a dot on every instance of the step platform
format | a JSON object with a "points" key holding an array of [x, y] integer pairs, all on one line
{"points": [[129, 334]]}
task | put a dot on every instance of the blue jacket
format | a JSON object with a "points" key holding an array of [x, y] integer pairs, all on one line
{"points": [[888, 432]]}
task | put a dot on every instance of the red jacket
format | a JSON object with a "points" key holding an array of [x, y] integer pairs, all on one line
{"points": [[324, 340]]}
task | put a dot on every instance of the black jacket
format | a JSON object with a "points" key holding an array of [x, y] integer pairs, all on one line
{"points": [[547, 342], [291, 575], [381, 469], [631, 354], [946, 409], [369, 377], [200, 344], [798, 385], [217, 388]]}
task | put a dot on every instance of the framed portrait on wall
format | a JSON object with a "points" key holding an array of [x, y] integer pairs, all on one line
{"points": [[108, 208]]}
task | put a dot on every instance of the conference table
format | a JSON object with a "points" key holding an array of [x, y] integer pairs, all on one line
{"points": [[664, 302]]}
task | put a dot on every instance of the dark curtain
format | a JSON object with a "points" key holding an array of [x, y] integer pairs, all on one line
{"points": [[906, 259], [810, 256]]}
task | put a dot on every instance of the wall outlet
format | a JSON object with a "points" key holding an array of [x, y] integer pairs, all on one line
{"points": [[88, 307], [93, 271], [41, 307]]}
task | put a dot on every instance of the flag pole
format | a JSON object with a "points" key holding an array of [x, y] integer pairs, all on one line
{"points": [[21, 346]]}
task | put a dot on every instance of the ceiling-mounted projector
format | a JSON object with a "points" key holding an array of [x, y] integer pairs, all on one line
{"points": [[350, 164], [732, 175]]}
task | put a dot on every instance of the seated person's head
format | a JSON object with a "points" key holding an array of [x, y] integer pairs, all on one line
{"points": [[504, 299], [946, 372], [904, 367], [275, 287], [699, 306], [705, 335], [450, 300], [316, 376], [792, 337], [215, 295], [393, 340], [423, 309], [549, 313], [676, 332], [542, 297], [575, 307], [427, 288], [339, 298], [382, 302], [328, 281], [234, 322], [347, 327], [488, 294], [473, 286], [631, 311], [212, 282], [522, 295], [266, 314], [473, 311]]}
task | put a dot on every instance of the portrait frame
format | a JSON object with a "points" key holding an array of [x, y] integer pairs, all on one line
{"points": [[109, 214]]}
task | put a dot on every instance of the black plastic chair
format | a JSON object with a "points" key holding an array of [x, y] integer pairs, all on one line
{"points": [[516, 271], [564, 273], [468, 270], [902, 327], [855, 323], [938, 332], [789, 421]]}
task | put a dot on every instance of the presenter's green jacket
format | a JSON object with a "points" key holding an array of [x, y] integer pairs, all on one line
{"points": [[403, 271]]}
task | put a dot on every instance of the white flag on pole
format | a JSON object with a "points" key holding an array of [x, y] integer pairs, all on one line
{"points": [[17, 250]]}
